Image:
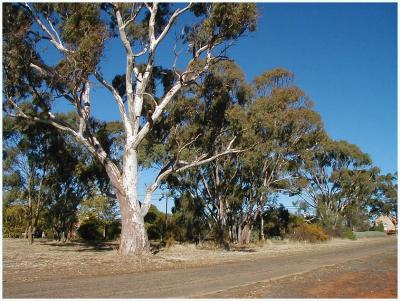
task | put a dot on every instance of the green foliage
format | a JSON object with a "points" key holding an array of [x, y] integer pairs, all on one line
{"points": [[230, 20], [336, 178], [276, 221], [91, 229], [113, 230], [275, 78], [379, 227], [155, 223], [309, 232], [365, 234], [349, 234], [99, 207], [188, 220], [14, 221], [99, 218], [384, 198]]}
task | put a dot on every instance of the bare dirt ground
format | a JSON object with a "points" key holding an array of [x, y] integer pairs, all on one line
{"points": [[359, 278], [48, 269]]}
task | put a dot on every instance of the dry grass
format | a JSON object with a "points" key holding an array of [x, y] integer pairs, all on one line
{"points": [[46, 260]]}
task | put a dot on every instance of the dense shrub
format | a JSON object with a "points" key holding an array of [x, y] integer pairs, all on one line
{"points": [[276, 221], [113, 230], [378, 227], [309, 232], [349, 234], [155, 223], [14, 221], [91, 229]]}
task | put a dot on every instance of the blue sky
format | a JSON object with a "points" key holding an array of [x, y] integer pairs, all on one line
{"points": [[344, 56]]}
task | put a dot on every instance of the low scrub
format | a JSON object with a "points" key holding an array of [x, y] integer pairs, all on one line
{"points": [[310, 233], [379, 227], [90, 230], [349, 234]]}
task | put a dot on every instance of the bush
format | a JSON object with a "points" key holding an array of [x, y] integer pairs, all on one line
{"points": [[310, 233], [113, 230], [378, 227], [349, 234], [90, 229]]}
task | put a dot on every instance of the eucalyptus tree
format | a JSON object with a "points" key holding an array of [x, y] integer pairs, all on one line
{"points": [[78, 33], [33, 157], [274, 124], [223, 93], [357, 189], [334, 175], [27, 163], [283, 125], [384, 197]]}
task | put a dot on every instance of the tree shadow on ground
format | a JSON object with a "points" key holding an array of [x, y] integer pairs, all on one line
{"points": [[84, 246], [243, 249]]}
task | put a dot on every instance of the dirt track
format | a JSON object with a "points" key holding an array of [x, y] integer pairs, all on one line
{"points": [[229, 279]]}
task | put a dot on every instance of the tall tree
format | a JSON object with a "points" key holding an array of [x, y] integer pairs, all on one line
{"points": [[283, 125], [33, 158], [384, 198], [223, 94], [333, 176], [78, 32], [277, 123]]}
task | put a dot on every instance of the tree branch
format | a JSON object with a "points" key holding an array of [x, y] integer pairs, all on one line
{"points": [[186, 165], [91, 143], [55, 41], [171, 21], [120, 103]]}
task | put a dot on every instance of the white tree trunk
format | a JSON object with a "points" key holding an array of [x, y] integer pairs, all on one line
{"points": [[133, 232], [134, 239]]}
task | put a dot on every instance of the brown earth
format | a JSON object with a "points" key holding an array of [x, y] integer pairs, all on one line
{"points": [[362, 278], [48, 269]]}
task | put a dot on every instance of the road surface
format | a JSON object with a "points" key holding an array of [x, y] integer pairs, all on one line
{"points": [[199, 281]]}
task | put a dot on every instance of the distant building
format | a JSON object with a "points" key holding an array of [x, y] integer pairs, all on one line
{"points": [[389, 223]]}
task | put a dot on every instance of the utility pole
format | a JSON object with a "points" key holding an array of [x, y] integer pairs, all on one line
{"points": [[166, 215]]}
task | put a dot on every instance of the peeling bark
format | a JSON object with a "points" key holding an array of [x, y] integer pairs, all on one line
{"points": [[133, 233]]}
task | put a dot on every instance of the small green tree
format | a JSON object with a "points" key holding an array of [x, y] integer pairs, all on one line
{"points": [[276, 221], [99, 210], [155, 223]]}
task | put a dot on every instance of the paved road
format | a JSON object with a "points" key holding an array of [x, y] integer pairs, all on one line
{"points": [[196, 282]]}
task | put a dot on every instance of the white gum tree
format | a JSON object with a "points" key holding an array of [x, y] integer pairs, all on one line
{"points": [[78, 32]]}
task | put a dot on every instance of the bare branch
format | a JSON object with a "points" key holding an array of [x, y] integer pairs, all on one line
{"points": [[136, 8], [140, 54], [152, 24], [119, 101], [54, 40], [186, 165], [54, 30], [130, 57], [148, 6], [157, 112], [122, 32], [189, 143], [149, 95], [171, 21]]}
